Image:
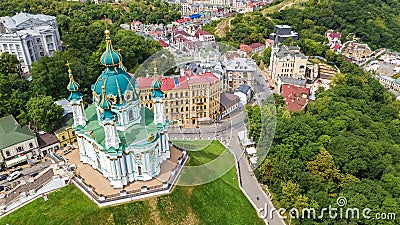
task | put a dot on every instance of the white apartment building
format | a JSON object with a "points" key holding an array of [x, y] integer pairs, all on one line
{"points": [[287, 61], [29, 37]]}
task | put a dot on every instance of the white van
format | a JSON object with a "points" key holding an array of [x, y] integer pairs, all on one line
{"points": [[14, 176]]}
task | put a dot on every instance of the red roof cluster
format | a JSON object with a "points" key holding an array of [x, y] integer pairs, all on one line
{"points": [[247, 48], [201, 32], [181, 32], [136, 22], [295, 97], [337, 47], [178, 82], [183, 20], [270, 42], [255, 45], [163, 43], [334, 35]]}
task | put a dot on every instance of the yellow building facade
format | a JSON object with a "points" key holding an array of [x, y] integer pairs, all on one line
{"points": [[189, 100], [64, 133]]}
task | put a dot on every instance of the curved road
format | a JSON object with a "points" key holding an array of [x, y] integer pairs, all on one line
{"points": [[227, 131]]}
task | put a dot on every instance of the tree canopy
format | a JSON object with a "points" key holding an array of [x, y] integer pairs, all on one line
{"points": [[346, 143], [82, 28]]}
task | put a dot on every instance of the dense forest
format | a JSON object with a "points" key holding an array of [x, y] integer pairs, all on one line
{"points": [[346, 143], [376, 22], [82, 28]]}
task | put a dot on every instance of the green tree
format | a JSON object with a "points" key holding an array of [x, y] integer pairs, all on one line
{"points": [[8, 63], [43, 113], [324, 166]]}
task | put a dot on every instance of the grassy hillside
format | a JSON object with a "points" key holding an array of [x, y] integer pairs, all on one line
{"points": [[214, 203]]}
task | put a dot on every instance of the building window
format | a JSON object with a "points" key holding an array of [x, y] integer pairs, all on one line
{"points": [[63, 137], [20, 148], [30, 145], [8, 153], [130, 114], [139, 170]]}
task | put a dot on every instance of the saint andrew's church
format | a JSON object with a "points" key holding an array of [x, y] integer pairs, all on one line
{"points": [[116, 136]]}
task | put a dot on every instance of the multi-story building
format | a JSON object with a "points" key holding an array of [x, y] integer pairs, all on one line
{"points": [[288, 61], [29, 37], [253, 48], [283, 32], [17, 143], [229, 103], [333, 39], [238, 71], [190, 99], [356, 52]]}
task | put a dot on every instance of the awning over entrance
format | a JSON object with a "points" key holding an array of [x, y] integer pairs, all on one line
{"points": [[15, 161]]}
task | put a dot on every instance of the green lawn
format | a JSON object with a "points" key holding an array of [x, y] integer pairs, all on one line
{"points": [[218, 202]]}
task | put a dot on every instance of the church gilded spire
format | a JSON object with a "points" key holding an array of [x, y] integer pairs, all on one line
{"points": [[76, 100], [110, 57], [72, 86]]}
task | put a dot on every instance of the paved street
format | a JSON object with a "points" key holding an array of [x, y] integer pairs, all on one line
{"points": [[227, 130], [27, 171]]}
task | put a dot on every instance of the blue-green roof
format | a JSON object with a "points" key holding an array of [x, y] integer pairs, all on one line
{"points": [[137, 133], [75, 96], [156, 84], [107, 114], [72, 85], [116, 82], [110, 57], [157, 93]]}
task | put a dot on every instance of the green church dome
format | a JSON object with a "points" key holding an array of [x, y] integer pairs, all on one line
{"points": [[110, 57], [73, 86], [120, 87]]}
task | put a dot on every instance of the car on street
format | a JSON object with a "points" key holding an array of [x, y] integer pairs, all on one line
{"points": [[3, 176], [14, 176], [34, 174]]}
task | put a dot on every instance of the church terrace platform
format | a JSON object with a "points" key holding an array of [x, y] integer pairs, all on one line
{"points": [[101, 185]]}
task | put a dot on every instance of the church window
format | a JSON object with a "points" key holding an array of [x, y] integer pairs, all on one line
{"points": [[116, 118], [131, 114], [140, 170]]}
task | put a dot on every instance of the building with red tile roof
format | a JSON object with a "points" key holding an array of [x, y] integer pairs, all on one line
{"points": [[189, 98], [296, 97], [163, 43], [253, 48]]}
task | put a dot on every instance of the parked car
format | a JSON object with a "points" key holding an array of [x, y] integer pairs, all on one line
{"points": [[16, 169], [34, 174], [14, 176], [3, 176]]}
